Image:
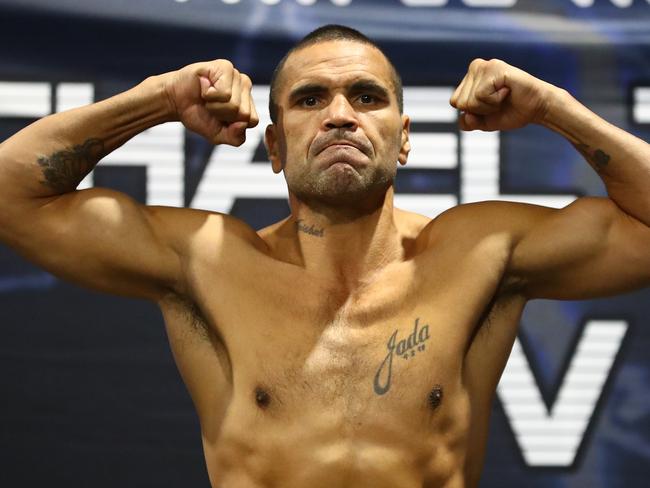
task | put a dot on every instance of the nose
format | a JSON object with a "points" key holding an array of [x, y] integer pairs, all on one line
{"points": [[341, 114]]}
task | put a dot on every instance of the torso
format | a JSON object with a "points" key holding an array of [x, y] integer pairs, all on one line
{"points": [[298, 383]]}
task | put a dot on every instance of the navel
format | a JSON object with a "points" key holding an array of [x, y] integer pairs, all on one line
{"points": [[262, 398], [435, 397]]}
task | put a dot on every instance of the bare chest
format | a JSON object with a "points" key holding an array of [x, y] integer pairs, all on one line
{"points": [[349, 375], [400, 340]]}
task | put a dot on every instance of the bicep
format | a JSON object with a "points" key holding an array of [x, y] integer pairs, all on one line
{"points": [[101, 239], [588, 249]]}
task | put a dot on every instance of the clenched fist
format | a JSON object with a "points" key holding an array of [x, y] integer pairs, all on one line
{"points": [[212, 99], [496, 96]]}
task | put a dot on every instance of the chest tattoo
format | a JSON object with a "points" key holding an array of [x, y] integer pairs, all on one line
{"points": [[405, 348]]}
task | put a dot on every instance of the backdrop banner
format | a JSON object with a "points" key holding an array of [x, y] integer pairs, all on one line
{"points": [[91, 396]]}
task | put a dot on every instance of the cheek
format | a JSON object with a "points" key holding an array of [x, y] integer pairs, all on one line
{"points": [[388, 139], [385, 121], [297, 141], [294, 153]]}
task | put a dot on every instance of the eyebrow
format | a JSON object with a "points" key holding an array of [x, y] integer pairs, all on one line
{"points": [[306, 90], [357, 87], [369, 86]]}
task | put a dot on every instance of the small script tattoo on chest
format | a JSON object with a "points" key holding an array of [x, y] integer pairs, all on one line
{"points": [[405, 348]]}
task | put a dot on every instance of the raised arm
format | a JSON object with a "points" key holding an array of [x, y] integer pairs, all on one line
{"points": [[98, 237], [595, 246]]}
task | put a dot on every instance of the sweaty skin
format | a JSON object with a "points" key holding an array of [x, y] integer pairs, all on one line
{"points": [[353, 344]]}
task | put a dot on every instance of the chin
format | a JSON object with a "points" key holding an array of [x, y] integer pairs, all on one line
{"points": [[350, 196], [341, 185]]}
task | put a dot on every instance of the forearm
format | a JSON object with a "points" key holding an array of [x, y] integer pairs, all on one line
{"points": [[52, 155], [621, 159]]}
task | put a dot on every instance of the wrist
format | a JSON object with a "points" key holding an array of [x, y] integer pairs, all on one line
{"points": [[158, 94], [557, 101]]}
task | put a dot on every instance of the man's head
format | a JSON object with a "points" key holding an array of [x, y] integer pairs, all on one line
{"points": [[338, 128], [326, 33]]}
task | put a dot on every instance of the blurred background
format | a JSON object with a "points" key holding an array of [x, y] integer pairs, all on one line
{"points": [[90, 394]]}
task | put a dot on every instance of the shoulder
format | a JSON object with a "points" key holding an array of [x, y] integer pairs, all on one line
{"points": [[488, 218], [484, 232], [410, 224], [188, 227], [205, 241], [209, 246]]}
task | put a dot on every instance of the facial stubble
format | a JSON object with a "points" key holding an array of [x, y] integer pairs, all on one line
{"points": [[343, 184]]}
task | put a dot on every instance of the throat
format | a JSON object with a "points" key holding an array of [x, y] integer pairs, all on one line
{"points": [[353, 246]]}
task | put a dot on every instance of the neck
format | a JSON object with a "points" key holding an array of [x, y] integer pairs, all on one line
{"points": [[346, 245]]}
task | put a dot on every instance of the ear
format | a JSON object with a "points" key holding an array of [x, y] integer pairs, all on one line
{"points": [[405, 147], [271, 143]]}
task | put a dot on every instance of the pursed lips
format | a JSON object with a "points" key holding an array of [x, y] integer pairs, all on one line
{"points": [[339, 153], [335, 144], [339, 143]]}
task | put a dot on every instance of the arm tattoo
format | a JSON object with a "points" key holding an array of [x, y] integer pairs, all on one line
{"points": [[63, 170], [598, 158]]}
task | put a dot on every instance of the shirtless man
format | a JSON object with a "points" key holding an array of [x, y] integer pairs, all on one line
{"points": [[351, 344]]}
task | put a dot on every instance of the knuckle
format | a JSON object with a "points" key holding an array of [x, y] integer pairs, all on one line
{"points": [[194, 68], [225, 64], [477, 63], [247, 82], [495, 64]]}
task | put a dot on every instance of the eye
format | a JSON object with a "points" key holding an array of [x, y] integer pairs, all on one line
{"points": [[309, 101], [367, 99]]}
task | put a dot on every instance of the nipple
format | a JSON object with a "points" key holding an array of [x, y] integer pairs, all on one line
{"points": [[262, 398], [435, 397]]}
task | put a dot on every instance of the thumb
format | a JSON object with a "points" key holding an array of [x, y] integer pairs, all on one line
{"points": [[236, 133], [502, 93], [493, 95], [206, 84], [470, 122]]}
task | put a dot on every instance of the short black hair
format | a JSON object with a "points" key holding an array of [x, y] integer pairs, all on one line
{"points": [[331, 32]]}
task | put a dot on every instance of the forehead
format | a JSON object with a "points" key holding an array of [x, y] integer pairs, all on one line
{"points": [[339, 62]]}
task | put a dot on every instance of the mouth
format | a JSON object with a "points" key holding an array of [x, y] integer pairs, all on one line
{"points": [[341, 145], [347, 152], [340, 155]]}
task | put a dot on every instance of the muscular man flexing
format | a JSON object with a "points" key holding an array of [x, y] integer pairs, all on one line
{"points": [[351, 344]]}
